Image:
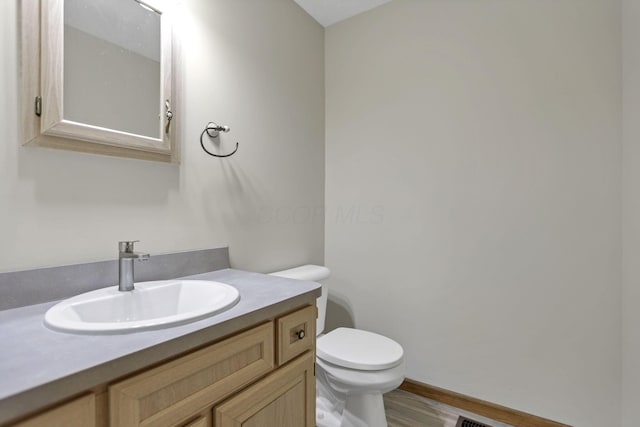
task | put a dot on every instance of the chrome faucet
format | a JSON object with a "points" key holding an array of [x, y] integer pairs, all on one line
{"points": [[125, 261]]}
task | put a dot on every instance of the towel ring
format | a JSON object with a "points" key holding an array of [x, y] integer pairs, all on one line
{"points": [[213, 131]]}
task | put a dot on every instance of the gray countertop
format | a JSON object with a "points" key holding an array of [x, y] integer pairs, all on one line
{"points": [[39, 366]]}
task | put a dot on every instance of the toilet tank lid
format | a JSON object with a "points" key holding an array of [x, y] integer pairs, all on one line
{"points": [[312, 273]]}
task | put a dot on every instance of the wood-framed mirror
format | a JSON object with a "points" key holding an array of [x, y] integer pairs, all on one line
{"points": [[101, 76]]}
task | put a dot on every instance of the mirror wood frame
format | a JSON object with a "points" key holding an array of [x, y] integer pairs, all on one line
{"points": [[42, 50]]}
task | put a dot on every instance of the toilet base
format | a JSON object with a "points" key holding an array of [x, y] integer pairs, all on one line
{"points": [[364, 410], [326, 414], [334, 409]]}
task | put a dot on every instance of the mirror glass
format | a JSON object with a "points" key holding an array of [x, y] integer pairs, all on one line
{"points": [[112, 67]]}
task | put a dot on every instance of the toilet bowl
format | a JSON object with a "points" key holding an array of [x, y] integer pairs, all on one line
{"points": [[354, 368]]}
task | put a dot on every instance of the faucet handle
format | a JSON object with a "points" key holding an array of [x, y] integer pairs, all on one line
{"points": [[127, 246]]}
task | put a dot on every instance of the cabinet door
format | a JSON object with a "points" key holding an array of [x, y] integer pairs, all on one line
{"points": [[203, 421], [285, 398]]}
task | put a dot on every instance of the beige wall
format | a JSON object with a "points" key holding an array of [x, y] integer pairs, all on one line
{"points": [[476, 144], [631, 215], [254, 65], [473, 196]]}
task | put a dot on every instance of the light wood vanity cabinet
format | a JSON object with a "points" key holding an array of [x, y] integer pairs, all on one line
{"points": [[262, 377], [80, 412]]}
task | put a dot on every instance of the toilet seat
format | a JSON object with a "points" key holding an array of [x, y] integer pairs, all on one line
{"points": [[358, 349]]}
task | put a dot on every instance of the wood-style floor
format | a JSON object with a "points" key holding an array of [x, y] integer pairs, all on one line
{"points": [[408, 410]]}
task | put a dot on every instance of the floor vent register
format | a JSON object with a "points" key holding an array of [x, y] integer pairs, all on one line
{"points": [[466, 422]]}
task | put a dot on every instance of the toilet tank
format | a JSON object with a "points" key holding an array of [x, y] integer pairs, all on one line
{"points": [[312, 273]]}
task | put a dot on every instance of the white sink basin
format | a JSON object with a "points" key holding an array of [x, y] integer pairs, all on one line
{"points": [[149, 305]]}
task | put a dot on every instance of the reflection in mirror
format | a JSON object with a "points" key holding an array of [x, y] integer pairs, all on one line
{"points": [[112, 66]]}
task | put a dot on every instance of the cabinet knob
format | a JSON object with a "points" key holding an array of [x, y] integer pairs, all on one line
{"points": [[300, 334]]}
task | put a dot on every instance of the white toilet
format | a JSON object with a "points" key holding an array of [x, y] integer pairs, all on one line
{"points": [[354, 368]]}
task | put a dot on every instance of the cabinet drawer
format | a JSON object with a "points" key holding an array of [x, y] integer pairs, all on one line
{"points": [[296, 333], [80, 412], [173, 392]]}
